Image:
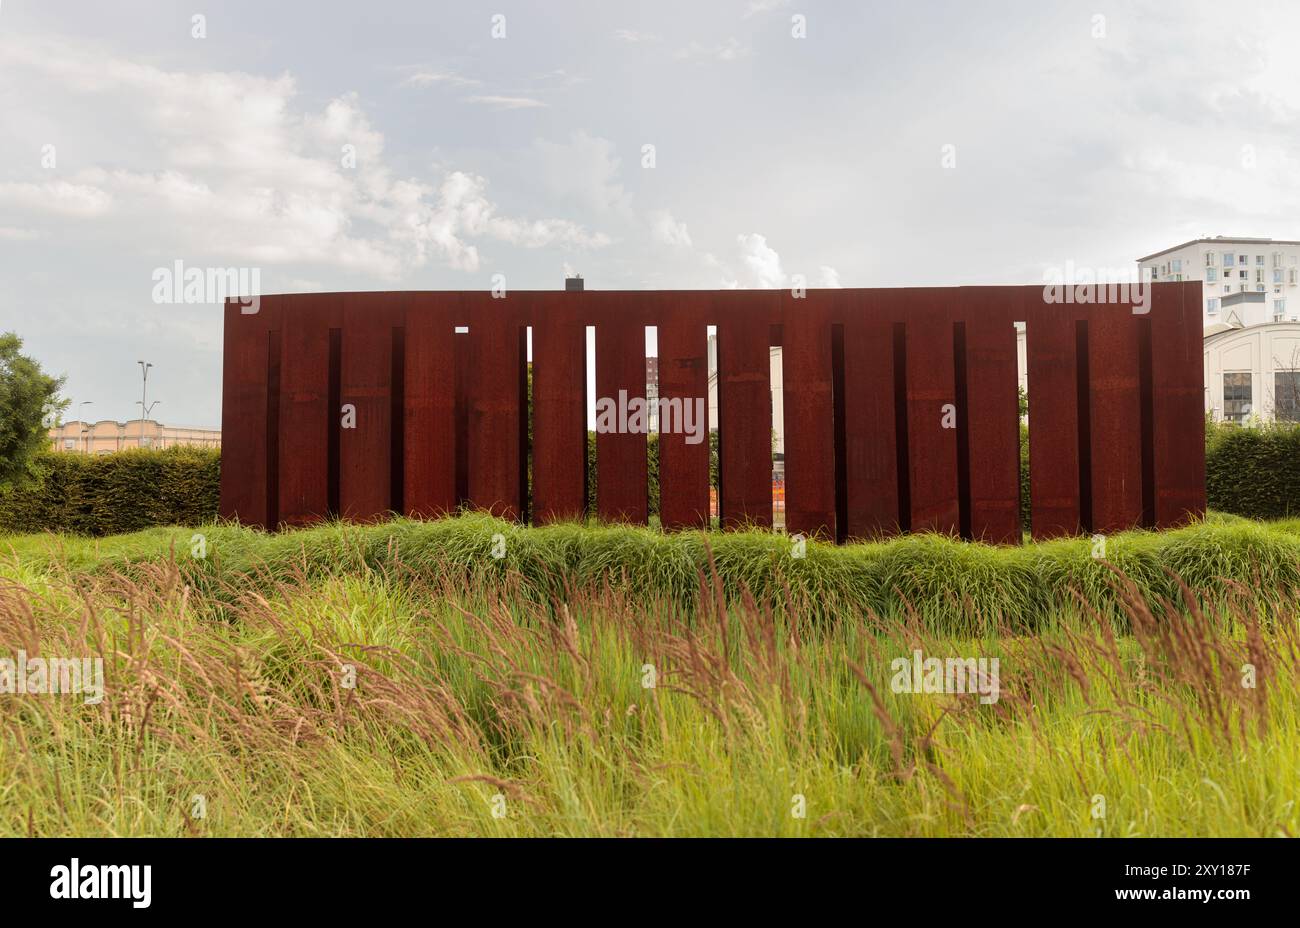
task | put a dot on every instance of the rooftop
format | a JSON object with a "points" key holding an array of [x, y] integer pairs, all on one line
{"points": [[1224, 240]]}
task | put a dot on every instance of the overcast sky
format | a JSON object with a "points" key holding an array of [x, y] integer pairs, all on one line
{"points": [[773, 155]]}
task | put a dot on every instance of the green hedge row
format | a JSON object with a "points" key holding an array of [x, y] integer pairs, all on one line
{"points": [[114, 493], [1251, 472]]}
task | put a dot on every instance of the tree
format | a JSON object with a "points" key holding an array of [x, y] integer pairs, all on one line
{"points": [[28, 400]]}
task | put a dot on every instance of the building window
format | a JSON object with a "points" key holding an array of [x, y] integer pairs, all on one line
{"points": [[1259, 260], [1209, 259], [69, 444], [1241, 275], [1227, 259], [1277, 275], [1286, 396], [1211, 275], [1236, 397], [1212, 306], [1243, 260], [1227, 288], [1178, 265]]}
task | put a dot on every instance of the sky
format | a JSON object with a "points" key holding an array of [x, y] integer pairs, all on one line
{"points": [[423, 145]]}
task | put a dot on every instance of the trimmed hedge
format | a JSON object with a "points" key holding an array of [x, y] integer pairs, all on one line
{"points": [[1251, 472], [114, 493]]}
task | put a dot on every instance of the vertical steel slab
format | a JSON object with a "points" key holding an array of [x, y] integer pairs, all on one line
{"points": [[559, 405], [870, 427], [744, 321], [1115, 408], [366, 391], [993, 438], [305, 416], [245, 454], [621, 478], [493, 373], [931, 395], [429, 405], [1050, 336], [682, 320], [1178, 382], [809, 412]]}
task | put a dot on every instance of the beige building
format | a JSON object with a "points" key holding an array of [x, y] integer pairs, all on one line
{"points": [[1252, 373], [107, 436]]}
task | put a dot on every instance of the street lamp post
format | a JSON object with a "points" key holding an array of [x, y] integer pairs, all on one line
{"points": [[85, 430], [146, 412], [144, 387]]}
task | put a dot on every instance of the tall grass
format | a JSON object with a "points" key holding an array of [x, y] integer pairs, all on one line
{"points": [[481, 709], [954, 587]]}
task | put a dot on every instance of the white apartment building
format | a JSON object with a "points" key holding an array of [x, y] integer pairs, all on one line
{"points": [[1246, 281]]}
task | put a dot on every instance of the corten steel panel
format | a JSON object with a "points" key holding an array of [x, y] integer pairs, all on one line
{"points": [[745, 405], [244, 457], [993, 437], [559, 405], [932, 448], [429, 405], [493, 370], [1115, 405], [365, 451], [484, 372], [621, 492], [684, 374], [461, 349], [1053, 386], [809, 412], [305, 416], [1178, 382], [871, 453]]}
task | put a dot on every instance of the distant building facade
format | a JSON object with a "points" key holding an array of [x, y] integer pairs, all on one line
{"points": [[107, 436], [1253, 373], [1247, 281]]}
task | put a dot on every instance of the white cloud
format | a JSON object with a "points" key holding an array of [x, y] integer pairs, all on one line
{"points": [[669, 231], [762, 261], [505, 103], [9, 233], [59, 197], [830, 278], [730, 50], [633, 36], [432, 78], [763, 6], [243, 174], [584, 169]]}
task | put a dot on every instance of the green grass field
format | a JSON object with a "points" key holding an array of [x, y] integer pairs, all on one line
{"points": [[400, 680]]}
